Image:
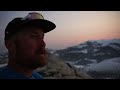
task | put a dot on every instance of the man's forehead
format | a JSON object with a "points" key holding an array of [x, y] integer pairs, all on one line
{"points": [[33, 30]]}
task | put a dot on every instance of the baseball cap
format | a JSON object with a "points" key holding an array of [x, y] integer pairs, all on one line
{"points": [[32, 19]]}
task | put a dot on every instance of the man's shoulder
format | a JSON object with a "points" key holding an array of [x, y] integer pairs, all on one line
{"points": [[36, 75], [7, 73], [3, 72]]}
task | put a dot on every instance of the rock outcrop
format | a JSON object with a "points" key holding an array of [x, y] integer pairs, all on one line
{"points": [[58, 69]]}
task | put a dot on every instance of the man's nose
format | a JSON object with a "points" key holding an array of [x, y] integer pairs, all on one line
{"points": [[41, 43]]}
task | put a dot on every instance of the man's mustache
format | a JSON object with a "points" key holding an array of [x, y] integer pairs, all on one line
{"points": [[40, 51]]}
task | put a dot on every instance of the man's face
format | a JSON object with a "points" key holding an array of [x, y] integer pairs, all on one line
{"points": [[30, 48]]}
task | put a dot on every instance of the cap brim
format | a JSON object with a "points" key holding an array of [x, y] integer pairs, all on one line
{"points": [[40, 23]]}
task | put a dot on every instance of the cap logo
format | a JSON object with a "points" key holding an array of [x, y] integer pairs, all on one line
{"points": [[32, 16]]}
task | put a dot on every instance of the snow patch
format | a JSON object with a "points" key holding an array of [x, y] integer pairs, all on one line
{"points": [[84, 51], [95, 50], [81, 46], [81, 51], [115, 47], [2, 65], [56, 54]]}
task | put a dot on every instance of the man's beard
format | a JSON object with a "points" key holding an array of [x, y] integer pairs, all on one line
{"points": [[32, 62]]}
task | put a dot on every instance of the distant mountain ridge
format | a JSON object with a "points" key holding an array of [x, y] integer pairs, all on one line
{"points": [[90, 51]]}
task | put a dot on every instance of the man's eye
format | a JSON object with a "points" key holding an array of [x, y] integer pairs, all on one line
{"points": [[36, 36], [33, 35]]}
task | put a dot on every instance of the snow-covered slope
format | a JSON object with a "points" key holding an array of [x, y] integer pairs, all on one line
{"points": [[108, 65], [107, 69]]}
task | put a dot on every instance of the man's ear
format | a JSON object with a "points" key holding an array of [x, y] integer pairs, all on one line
{"points": [[7, 44], [10, 45]]}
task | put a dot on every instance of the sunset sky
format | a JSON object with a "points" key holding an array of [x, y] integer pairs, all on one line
{"points": [[73, 27]]}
